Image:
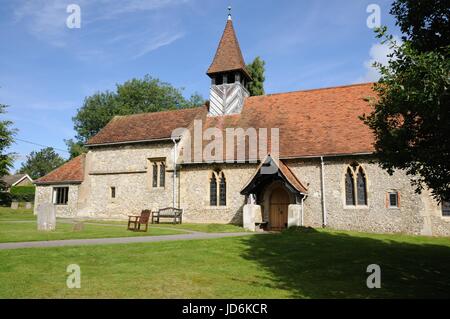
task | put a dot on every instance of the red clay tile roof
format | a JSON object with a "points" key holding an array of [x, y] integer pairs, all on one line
{"points": [[283, 169], [145, 126], [228, 55], [70, 172], [315, 122], [311, 123], [290, 176], [320, 122]]}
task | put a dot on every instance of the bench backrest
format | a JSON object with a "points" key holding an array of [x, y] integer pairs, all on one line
{"points": [[169, 211], [145, 216]]}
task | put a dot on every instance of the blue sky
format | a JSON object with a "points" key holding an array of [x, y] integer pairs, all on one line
{"points": [[47, 69]]}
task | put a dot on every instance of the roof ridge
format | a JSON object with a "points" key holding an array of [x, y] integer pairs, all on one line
{"points": [[160, 112], [79, 169], [314, 90]]}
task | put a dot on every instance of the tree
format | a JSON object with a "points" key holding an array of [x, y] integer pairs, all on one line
{"points": [[41, 163], [134, 96], [256, 70], [75, 148], [425, 23], [6, 139], [411, 116]]}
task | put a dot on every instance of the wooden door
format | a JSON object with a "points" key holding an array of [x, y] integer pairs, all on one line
{"points": [[279, 203]]}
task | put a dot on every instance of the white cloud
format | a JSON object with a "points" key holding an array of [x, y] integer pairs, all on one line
{"points": [[44, 19], [113, 8], [377, 53], [103, 23], [158, 42]]}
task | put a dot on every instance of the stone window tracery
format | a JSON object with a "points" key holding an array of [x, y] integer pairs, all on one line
{"points": [[217, 189], [355, 186]]}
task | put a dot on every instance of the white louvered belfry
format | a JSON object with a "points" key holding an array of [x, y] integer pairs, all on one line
{"points": [[227, 99], [229, 75]]}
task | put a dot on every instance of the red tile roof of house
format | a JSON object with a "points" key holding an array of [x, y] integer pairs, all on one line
{"points": [[228, 55], [285, 171], [145, 126], [311, 123], [321, 122], [71, 172], [315, 122], [290, 176]]}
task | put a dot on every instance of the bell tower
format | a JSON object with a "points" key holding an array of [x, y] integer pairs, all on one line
{"points": [[229, 76]]}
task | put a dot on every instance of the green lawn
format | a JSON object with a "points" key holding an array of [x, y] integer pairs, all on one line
{"points": [[27, 231], [20, 225], [294, 264], [205, 228], [13, 232], [16, 214]]}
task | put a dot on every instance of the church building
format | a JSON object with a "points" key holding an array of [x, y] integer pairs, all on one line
{"points": [[292, 159]]}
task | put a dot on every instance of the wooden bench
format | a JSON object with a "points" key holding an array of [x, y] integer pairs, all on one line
{"points": [[262, 225], [170, 212], [135, 222]]}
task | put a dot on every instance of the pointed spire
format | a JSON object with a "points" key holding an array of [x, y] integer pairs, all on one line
{"points": [[228, 55]]}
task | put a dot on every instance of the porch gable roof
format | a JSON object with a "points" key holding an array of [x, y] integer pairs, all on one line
{"points": [[282, 170]]}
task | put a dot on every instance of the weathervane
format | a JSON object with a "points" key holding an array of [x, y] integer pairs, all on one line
{"points": [[229, 12]]}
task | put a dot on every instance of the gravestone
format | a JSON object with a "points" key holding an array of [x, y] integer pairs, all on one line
{"points": [[46, 217], [28, 205], [251, 214], [78, 226], [294, 215], [14, 205]]}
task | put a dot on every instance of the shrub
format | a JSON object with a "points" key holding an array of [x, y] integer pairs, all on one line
{"points": [[23, 193], [5, 199]]}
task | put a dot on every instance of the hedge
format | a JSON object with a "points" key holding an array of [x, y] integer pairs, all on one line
{"points": [[23, 193], [17, 190], [5, 199]]}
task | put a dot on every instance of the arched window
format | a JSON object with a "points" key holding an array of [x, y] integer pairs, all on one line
{"points": [[355, 186], [213, 190], [445, 208], [349, 188], [222, 191], [162, 175], [361, 185], [155, 175]]}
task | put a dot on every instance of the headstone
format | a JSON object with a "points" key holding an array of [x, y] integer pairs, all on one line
{"points": [[46, 217], [294, 215], [28, 205], [250, 214], [14, 205], [78, 226]]}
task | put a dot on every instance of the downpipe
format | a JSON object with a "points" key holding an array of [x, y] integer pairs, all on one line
{"points": [[324, 207]]}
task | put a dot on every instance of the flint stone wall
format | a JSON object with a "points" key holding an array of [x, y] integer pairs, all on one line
{"points": [[44, 194], [127, 169]]}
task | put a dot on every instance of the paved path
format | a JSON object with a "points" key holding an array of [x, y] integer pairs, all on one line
{"points": [[121, 240]]}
